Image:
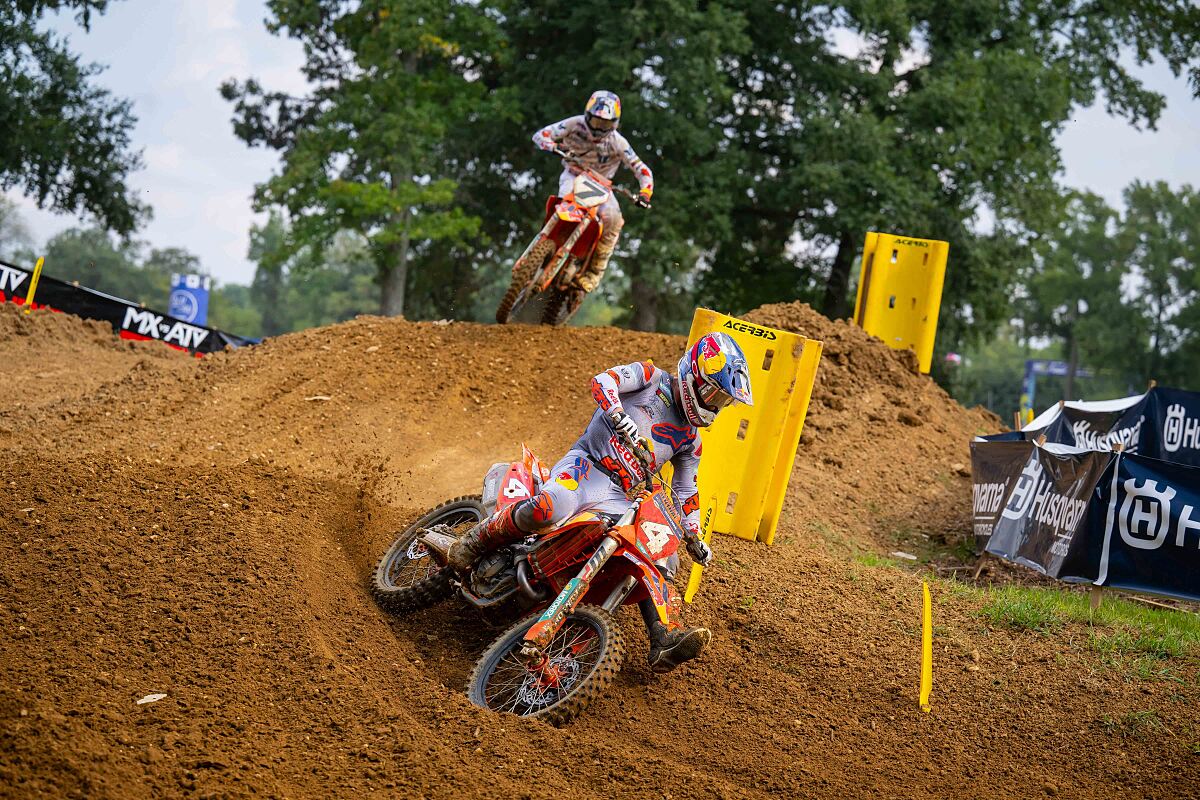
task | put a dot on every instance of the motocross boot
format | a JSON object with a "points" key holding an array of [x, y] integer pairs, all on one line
{"points": [[670, 648], [489, 534], [589, 280]]}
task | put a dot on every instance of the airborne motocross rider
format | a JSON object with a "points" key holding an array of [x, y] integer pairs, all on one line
{"points": [[634, 401], [592, 139]]}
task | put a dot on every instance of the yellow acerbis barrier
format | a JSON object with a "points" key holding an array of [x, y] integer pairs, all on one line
{"points": [[900, 291], [748, 452]]}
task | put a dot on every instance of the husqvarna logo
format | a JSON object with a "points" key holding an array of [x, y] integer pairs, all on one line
{"points": [[1145, 516], [1180, 430], [1034, 498], [1087, 436], [1022, 496]]}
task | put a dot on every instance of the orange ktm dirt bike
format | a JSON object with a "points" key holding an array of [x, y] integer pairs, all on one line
{"points": [[563, 249], [563, 585]]}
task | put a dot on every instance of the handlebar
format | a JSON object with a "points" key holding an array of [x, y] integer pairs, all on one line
{"points": [[570, 159]]}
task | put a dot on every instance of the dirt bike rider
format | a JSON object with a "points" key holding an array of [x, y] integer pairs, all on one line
{"points": [[634, 400], [592, 139]]}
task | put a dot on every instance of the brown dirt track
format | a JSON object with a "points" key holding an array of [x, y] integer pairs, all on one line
{"points": [[205, 528]]}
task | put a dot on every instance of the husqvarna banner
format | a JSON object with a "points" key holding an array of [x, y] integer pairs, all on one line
{"points": [[1165, 425], [1162, 423], [1089, 516], [129, 320], [1037, 502], [1148, 527]]}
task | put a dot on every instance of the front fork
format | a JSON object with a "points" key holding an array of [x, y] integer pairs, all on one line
{"points": [[538, 637], [564, 252]]}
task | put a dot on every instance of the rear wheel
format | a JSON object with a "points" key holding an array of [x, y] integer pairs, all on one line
{"points": [[519, 289], [562, 305], [407, 577], [581, 662]]}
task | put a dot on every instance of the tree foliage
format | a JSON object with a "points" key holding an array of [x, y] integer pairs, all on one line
{"points": [[364, 150], [66, 140], [934, 119]]}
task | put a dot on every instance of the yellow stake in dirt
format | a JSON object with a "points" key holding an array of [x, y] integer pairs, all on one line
{"points": [[37, 273], [926, 649], [693, 584]]}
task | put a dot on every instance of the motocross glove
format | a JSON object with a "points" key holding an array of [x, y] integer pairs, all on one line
{"points": [[547, 143], [623, 424], [643, 198], [700, 552]]}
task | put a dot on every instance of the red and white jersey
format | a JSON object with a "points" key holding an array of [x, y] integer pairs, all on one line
{"points": [[603, 156], [645, 393]]}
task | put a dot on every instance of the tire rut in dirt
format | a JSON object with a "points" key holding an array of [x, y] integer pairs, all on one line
{"points": [[397, 588], [516, 295], [586, 688]]}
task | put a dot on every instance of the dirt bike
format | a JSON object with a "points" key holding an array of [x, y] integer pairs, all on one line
{"points": [[563, 249], [563, 585]]}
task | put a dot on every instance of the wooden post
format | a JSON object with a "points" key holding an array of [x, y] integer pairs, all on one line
{"points": [[1016, 420], [1094, 597], [980, 565]]}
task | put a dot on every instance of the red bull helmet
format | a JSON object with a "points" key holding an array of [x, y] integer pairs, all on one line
{"points": [[712, 374], [603, 113]]}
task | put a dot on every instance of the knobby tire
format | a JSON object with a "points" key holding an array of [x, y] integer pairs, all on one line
{"points": [[518, 289], [581, 695], [434, 586]]}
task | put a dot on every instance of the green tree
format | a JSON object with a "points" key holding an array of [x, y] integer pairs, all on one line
{"points": [[943, 113], [1074, 291], [232, 308], [66, 141], [14, 235], [1160, 237], [295, 291], [268, 249], [364, 151], [98, 262]]}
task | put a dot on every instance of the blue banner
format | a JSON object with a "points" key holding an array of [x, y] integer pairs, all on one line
{"points": [[1167, 425], [189, 298], [1148, 528]]}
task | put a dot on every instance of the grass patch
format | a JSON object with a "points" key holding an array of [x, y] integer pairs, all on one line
{"points": [[1135, 724], [875, 560], [1119, 628]]}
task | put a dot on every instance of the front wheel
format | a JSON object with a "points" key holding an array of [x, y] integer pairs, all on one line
{"points": [[522, 280], [581, 661], [407, 577]]}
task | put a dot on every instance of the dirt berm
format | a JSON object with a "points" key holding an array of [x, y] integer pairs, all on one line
{"points": [[204, 529]]}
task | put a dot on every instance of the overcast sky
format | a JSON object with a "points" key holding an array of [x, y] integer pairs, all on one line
{"points": [[170, 57]]}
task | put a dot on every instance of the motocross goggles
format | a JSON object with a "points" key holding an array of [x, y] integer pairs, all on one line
{"points": [[714, 398], [599, 125]]}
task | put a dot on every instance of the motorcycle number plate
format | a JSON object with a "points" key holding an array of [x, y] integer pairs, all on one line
{"points": [[588, 192], [515, 489], [516, 485], [656, 536]]}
